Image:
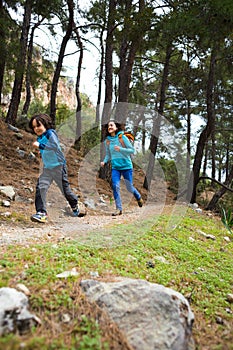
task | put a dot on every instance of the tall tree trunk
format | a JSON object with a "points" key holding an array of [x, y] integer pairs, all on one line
{"points": [[109, 52], [57, 72], [77, 91], [205, 134], [20, 66], [108, 79], [97, 118], [28, 70], [128, 50], [3, 46], [227, 159], [204, 171], [220, 193], [213, 154], [157, 120], [188, 140]]}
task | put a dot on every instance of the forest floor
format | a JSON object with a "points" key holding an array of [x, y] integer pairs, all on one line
{"points": [[17, 169]]}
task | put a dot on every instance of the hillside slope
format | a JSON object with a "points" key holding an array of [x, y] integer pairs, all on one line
{"points": [[20, 170]]}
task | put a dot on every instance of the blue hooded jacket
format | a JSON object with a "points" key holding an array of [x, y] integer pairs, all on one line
{"points": [[119, 160], [50, 149]]}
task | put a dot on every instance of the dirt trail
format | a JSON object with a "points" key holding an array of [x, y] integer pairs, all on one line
{"points": [[96, 227], [20, 172]]}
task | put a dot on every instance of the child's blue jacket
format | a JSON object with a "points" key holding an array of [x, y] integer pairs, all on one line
{"points": [[119, 160], [50, 149]]}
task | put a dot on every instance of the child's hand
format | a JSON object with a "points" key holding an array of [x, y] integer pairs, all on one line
{"points": [[102, 164], [36, 144]]}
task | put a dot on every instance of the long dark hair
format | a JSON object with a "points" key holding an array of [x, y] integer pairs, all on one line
{"points": [[120, 127], [41, 119]]}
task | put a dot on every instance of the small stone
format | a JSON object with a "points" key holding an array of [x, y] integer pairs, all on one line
{"points": [[6, 204], [161, 259], [228, 310], [65, 318], [22, 288], [230, 298], [66, 274], [219, 320], [150, 264], [94, 274], [211, 237]]}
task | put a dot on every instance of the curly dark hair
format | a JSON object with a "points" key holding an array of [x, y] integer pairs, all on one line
{"points": [[120, 127], [44, 119]]}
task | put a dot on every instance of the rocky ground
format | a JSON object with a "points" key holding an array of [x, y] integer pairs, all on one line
{"points": [[20, 169]]}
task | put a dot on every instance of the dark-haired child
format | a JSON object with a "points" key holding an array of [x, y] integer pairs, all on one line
{"points": [[54, 167], [121, 163]]}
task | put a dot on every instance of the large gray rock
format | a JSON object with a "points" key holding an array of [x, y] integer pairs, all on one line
{"points": [[151, 316], [14, 314]]}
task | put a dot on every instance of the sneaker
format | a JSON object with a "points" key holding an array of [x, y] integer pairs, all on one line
{"points": [[75, 212], [117, 212], [39, 217], [140, 202]]}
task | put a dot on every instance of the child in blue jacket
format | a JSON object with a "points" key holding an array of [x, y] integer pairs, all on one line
{"points": [[121, 163], [54, 167]]}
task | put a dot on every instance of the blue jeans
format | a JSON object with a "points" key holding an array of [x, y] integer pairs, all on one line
{"points": [[128, 177]]}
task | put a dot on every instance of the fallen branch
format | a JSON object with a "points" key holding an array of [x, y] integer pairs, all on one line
{"points": [[218, 182]]}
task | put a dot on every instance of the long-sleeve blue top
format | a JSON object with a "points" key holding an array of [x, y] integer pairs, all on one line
{"points": [[119, 160], [50, 149]]}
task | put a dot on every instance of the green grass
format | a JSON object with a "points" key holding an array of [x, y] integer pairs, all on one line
{"points": [[199, 268]]}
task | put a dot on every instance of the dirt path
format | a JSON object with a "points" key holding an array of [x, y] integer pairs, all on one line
{"points": [[97, 227]]}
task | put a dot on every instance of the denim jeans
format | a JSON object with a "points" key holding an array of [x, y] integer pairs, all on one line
{"points": [[128, 178]]}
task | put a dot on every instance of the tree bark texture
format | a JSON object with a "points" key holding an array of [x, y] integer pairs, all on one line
{"points": [[129, 47], [157, 121], [20, 66], [57, 72], [3, 46], [205, 134], [28, 69], [77, 91], [103, 173], [220, 193]]}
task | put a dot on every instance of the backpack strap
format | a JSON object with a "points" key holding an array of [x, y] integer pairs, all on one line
{"points": [[121, 140]]}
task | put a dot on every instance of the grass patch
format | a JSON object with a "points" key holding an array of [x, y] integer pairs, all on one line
{"points": [[182, 259]]}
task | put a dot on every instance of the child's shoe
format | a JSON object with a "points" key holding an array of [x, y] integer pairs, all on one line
{"points": [[75, 211], [140, 202], [117, 212], [40, 217]]}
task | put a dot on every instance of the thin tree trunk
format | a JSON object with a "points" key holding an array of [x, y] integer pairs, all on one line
{"points": [[28, 71], [157, 121], [20, 67], [188, 140], [3, 47], [77, 91], [205, 134], [108, 80], [57, 72], [213, 154], [220, 193], [227, 159], [205, 159], [128, 52], [97, 119]]}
